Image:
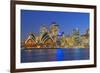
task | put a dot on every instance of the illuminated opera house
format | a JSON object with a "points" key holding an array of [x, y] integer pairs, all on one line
{"points": [[51, 38]]}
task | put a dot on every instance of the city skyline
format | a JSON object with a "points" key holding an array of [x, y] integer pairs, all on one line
{"points": [[31, 21]]}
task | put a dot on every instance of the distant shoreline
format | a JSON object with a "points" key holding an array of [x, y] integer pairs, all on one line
{"points": [[52, 48]]}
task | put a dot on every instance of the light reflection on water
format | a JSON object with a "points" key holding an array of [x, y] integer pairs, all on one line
{"points": [[59, 54]]}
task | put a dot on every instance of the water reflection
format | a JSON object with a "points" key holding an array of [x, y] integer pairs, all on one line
{"points": [[59, 54]]}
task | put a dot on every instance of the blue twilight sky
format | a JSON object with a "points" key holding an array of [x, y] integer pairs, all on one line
{"points": [[31, 21]]}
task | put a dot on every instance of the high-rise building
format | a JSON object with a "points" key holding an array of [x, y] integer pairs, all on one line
{"points": [[43, 29], [54, 29]]}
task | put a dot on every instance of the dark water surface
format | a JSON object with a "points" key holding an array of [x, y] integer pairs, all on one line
{"points": [[58, 54]]}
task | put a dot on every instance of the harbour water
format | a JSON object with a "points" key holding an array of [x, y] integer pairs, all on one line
{"points": [[58, 54]]}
